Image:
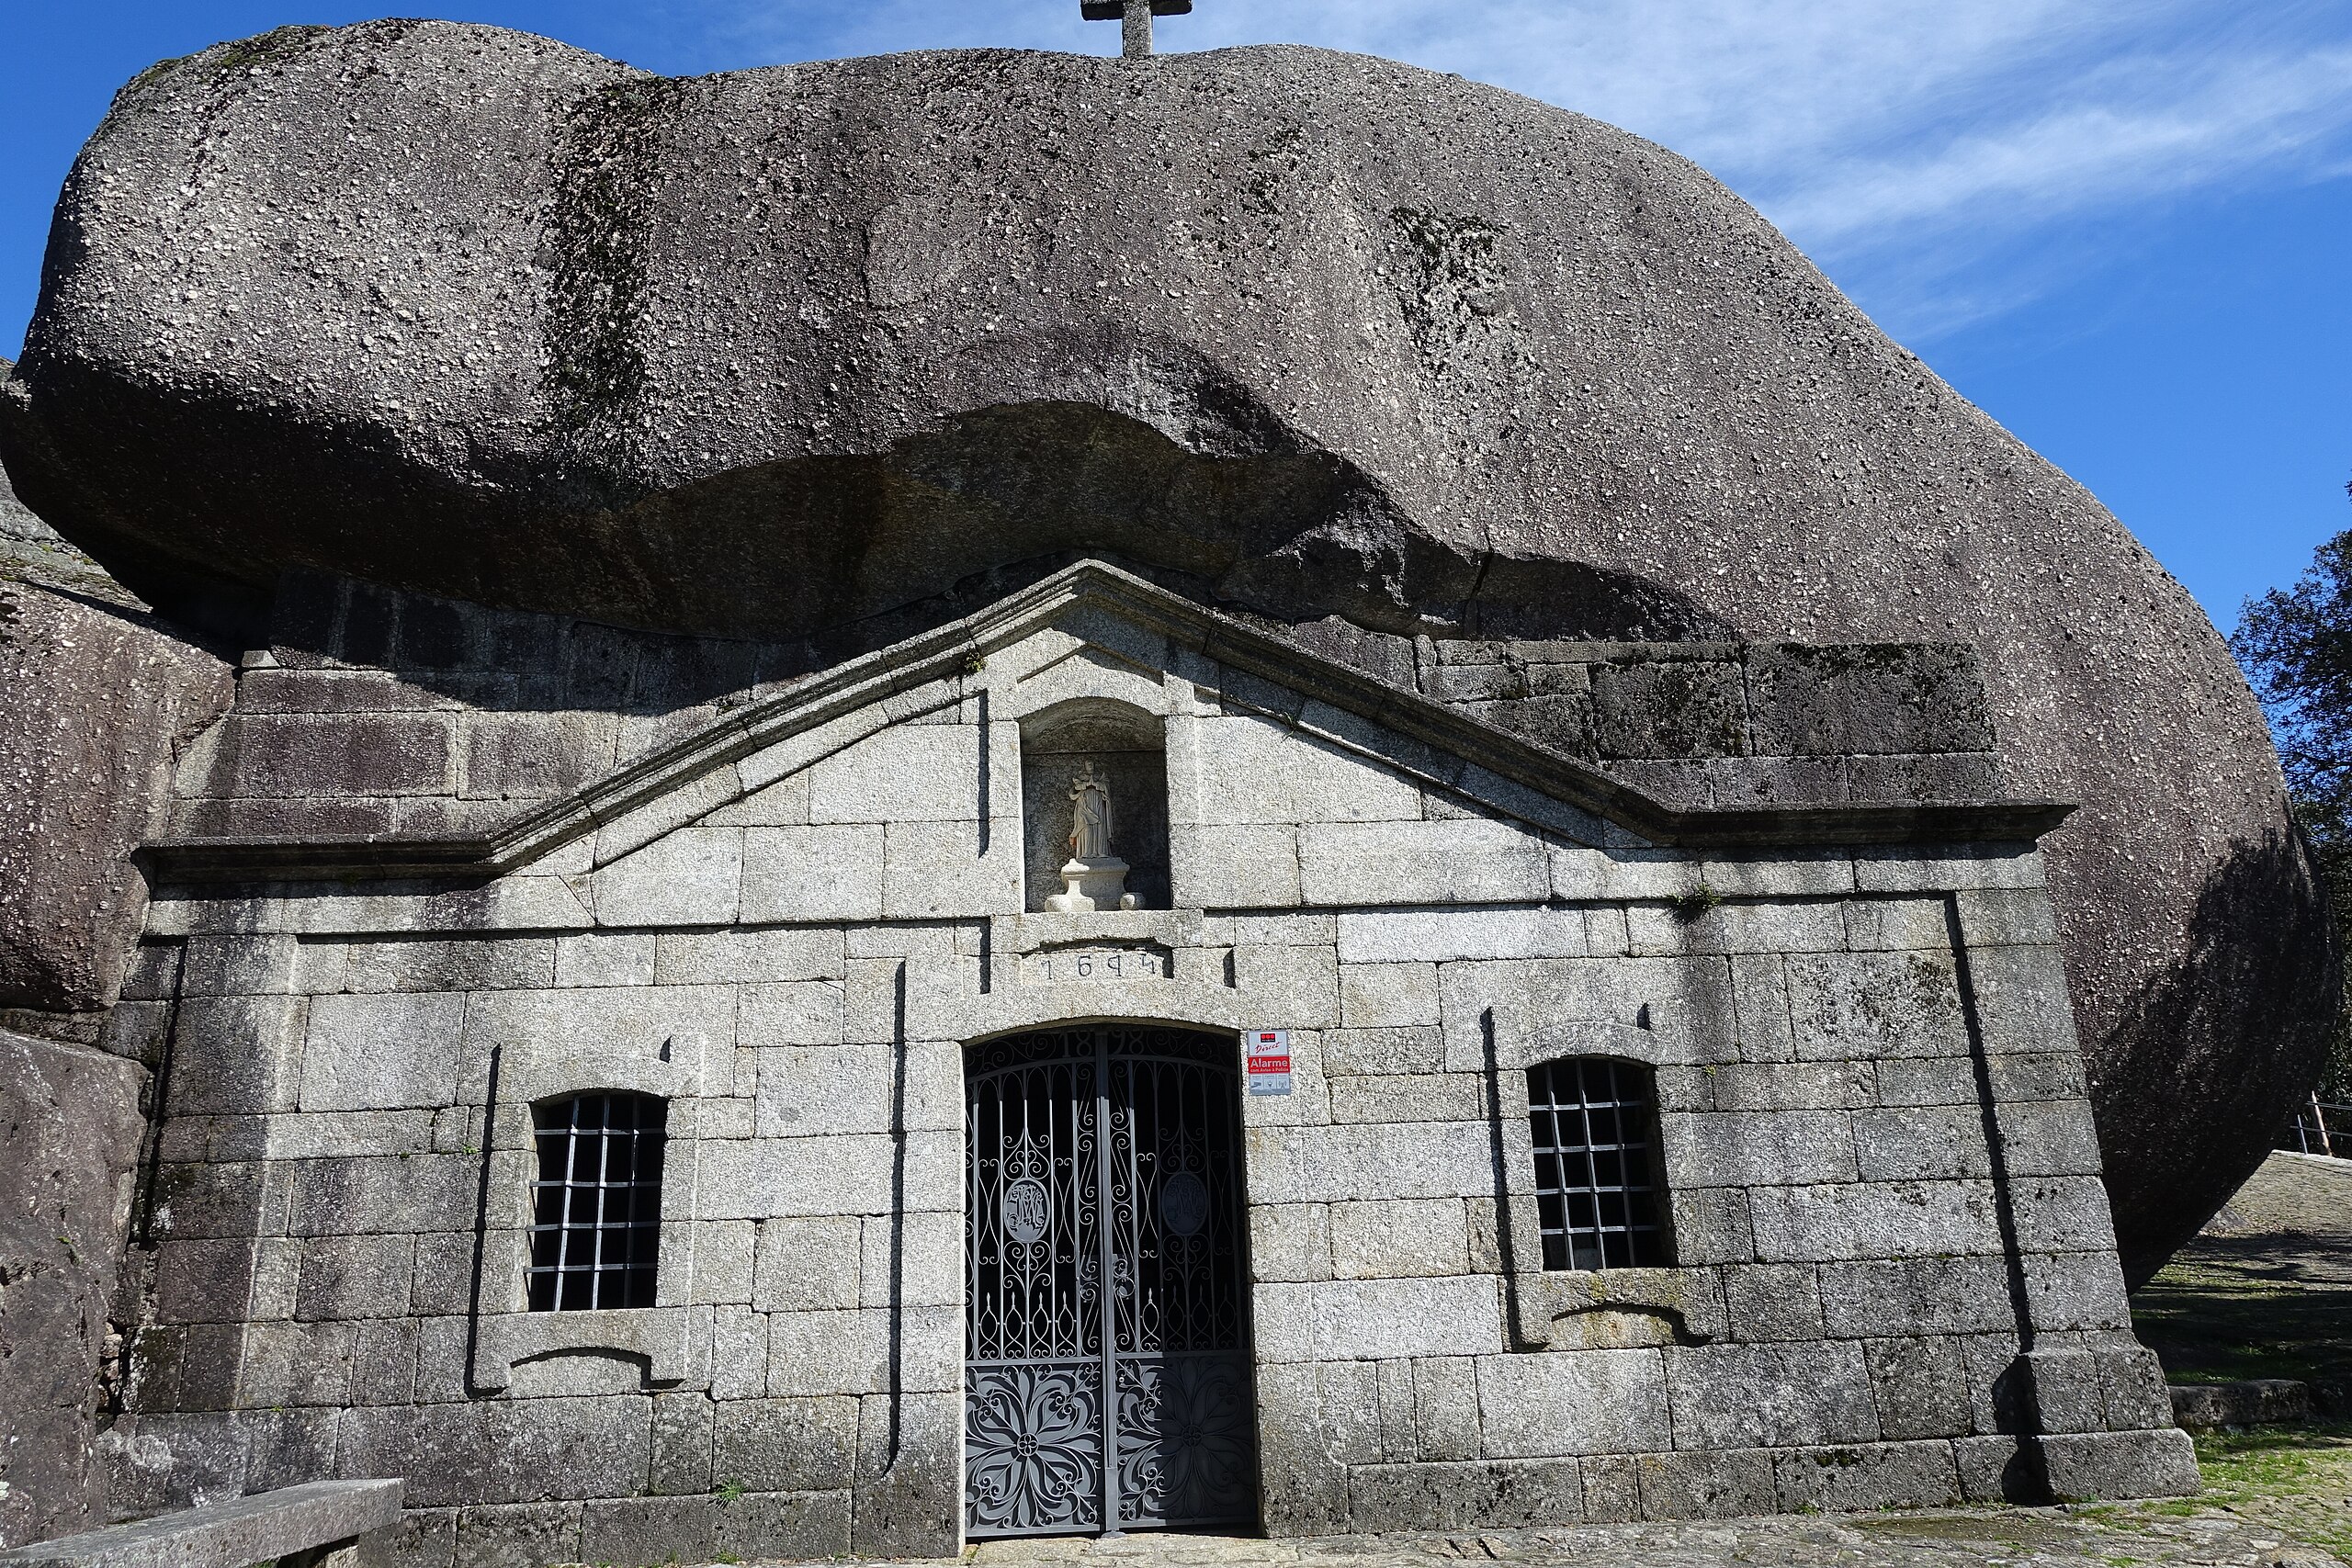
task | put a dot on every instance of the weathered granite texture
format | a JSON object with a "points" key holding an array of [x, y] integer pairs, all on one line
{"points": [[100, 701], [2156, 1535], [2248, 1402], [1740, 724], [806, 351], [70, 1125], [1894, 1277], [319, 1524], [30, 551], [94, 695]]}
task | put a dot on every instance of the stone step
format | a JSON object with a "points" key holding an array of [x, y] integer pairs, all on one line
{"points": [[2258, 1402]]}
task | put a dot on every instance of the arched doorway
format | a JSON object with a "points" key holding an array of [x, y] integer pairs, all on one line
{"points": [[1088, 1409]]}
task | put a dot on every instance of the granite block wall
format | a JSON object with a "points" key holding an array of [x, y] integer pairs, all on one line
{"points": [[1892, 1280], [1739, 724], [375, 711]]}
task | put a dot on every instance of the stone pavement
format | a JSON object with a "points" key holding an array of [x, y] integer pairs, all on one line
{"points": [[2293, 1218], [2094, 1536]]}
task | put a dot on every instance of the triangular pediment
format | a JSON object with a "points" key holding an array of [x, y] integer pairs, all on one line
{"points": [[1092, 630]]}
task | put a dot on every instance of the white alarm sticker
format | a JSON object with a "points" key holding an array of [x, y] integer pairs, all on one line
{"points": [[1267, 1053]]}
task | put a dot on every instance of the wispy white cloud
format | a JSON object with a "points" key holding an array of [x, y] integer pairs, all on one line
{"points": [[1929, 154], [2234, 117]]}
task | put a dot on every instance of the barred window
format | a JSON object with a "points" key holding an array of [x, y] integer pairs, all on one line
{"points": [[1596, 1182], [596, 1207]]}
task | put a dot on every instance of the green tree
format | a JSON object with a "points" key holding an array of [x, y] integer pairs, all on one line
{"points": [[2295, 645]]}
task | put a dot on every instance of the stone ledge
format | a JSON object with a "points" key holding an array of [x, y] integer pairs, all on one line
{"points": [[2257, 1402], [260, 1529], [1616, 1308], [664, 1337]]}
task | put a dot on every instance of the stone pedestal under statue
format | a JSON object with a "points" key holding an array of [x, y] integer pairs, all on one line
{"points": [[1093, 883]]}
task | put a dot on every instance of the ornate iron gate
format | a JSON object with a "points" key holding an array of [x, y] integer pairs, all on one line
{"points": [[1055, 1210]]}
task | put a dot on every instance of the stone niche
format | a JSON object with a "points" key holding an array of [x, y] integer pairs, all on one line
{"points": [[1126, 750]]}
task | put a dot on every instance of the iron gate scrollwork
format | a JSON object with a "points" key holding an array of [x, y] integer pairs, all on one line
{"points": [[1108, 1366]]}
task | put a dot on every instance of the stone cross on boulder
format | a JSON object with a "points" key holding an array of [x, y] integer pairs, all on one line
{"points": [[1134, 17]]}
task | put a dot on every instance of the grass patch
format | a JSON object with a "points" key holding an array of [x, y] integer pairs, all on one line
{"points": [[2218, 1320]]}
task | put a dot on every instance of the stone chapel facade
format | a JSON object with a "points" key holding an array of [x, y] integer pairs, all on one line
{"points": [[666, 1124]]}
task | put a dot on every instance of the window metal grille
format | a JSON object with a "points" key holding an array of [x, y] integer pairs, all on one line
{"points": [[596, 1207], [1595, 1187]]}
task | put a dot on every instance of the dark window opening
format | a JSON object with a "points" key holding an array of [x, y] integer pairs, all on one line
{"points": [[1596, 1180], [596, 1207]]}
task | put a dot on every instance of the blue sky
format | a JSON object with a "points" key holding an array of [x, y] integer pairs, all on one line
{"points": [[2124, 227]]}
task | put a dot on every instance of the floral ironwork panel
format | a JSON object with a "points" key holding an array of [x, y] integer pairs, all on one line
{"points": [[1187, 1438], [1033, 1454]]}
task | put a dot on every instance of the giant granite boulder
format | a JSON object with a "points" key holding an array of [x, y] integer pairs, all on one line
{"points": [[100, 703], [99, 699], [821, 351], [96, 697], [70, 1120]]}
